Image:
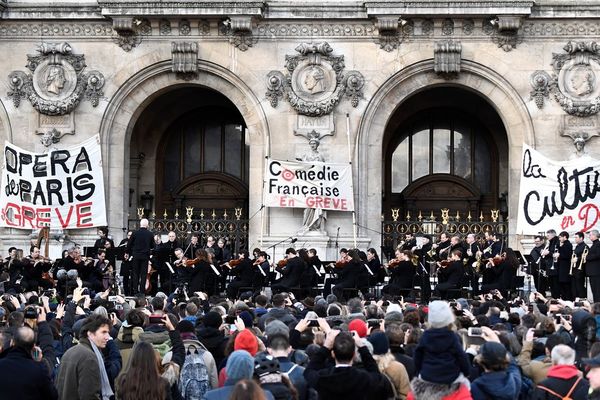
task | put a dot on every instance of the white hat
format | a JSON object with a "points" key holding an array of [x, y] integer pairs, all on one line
{"points": [[440, 315]]}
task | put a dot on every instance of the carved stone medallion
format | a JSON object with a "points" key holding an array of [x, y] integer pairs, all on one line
{"points": [[57, 82], [315, 82], [576, 81]]}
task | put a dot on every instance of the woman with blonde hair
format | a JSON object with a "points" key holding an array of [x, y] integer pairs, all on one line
{"points": [[388, 366]]}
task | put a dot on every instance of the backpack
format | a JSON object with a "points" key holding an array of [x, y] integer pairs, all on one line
{"points": [[194, 380], [567, 396]]}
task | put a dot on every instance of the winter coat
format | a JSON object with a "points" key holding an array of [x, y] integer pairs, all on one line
{"points": [[423, 390], [536, 370], [281, 314], [561, 379], [79, 373], [399, 378], [439, 356], [214, 340], [24, 378], [500, 385], [126, 338]]}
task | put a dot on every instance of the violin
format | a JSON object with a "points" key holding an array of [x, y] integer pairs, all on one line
{"points": [[148, 285], [496, 260], [282, 263], [233, 263], [342, 262], [394, 263], [445, 263], [190, 263]]}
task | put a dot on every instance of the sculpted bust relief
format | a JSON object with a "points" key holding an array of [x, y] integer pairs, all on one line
{"points": [[55, 79], [582, 81], [314, 80]]}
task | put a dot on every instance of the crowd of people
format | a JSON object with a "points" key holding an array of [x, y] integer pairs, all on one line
{"points": [[194, 322]]}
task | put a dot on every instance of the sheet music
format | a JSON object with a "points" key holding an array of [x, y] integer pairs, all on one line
{"points": [[317, 271], [368, 269], [215, 270]]}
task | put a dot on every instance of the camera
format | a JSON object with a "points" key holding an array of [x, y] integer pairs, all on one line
{"points": [[30, 313], [113, 299], [313, 323], [156, 319], [539, 333], [578, 304], [474, 332], [373, 323]]}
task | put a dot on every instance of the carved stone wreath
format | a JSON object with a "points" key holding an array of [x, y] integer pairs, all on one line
{"points": [[315, 82], [576, 79], [57, 82]]}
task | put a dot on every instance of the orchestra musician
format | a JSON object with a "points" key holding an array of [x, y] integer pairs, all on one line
{"points": [[348, 274], [410, 242], [424, 253], [442, 248], [34, 267], [125, 270], [473, 257], [201, 273], [91, 273], [504, 269], [339, 264], [292, 272], [565, 251], [550, 254], [222, 255], [106, 268], [450, 274], [262, 269], [192, 247], [140, 246], [182, 273], [592, 268], [403, 273], [314, 264], [493, 245], [374, 264], [242, 268], [578, 287], [537, 269]]}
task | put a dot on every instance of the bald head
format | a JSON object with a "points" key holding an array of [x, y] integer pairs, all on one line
{"points": [[143, 223], [24, 337]]}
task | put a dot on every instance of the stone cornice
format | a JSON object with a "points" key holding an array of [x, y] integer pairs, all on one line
{"points": [[440, 7], [3, 6], [148, 8]]}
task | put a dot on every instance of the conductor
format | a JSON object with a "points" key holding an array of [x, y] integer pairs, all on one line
{"points": [[140, 247]]}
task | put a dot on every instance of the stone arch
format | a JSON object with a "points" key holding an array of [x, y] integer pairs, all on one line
{"points": [[137, 92], [5, 127], [477, 78]]}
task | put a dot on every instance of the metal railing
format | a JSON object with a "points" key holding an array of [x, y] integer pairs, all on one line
{"points": [[223, 223]]}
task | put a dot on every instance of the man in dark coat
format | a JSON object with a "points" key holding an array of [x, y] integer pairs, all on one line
{"points": [[450, 277], [291, 273], [23, 377], [565, 251], [140, 247], [563, 379], [592, 265], [337, 378]]}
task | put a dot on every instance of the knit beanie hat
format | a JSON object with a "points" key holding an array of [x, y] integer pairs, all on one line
{"points": [[277, 327], [213, 319], [359, 326], [440, 314], [247, 318], [240, 365], [245, 340], [380, 342]]}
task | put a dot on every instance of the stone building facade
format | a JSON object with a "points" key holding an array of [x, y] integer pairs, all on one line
{"points": [[430, 100]]}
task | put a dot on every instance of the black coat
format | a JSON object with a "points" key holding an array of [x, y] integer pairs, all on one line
{"points": [[452, 274], [140, 244], [244, 271], [23, 378], [199, 276], [403, 275], [293, 272], [564, 261], [592, 264], [562, 385], [348, 275]]}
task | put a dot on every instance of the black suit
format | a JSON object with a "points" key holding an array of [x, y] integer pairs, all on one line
{"points": [[401, 282], [565, 251], [291, 275], [592, 268], [245, 277], [140, 247], [578, 282], [552, 268], [450, 277]]}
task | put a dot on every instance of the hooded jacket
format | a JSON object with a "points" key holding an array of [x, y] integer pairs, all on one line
{"points": [[423, 390], [126, 337], [439, 357], [500, 385], [561, 379], [280, 314], [214, 340]]}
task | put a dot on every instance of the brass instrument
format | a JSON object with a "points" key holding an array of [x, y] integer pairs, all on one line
{"points": [[414, 259], [574, 260], [431, 252], [445, 249], [573, 263]]}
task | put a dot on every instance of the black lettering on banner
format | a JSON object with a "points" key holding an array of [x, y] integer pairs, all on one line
{"points": [[25, 190], [531, 171], [39, 193], [84, 182], [39, 166], [59, 157], [24, 159], [272, 170], [11, 188], [83, 159], [53, 187], [569, 185], [10, 159]]}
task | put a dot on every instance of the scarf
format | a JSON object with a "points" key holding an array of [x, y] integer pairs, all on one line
{"points": [[106, 389]]}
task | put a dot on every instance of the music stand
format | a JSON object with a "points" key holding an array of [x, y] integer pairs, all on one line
{"points": [[89, 251]]}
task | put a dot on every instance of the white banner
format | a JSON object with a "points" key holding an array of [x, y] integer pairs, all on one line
{"points": [[559, 195], [309, 185], [63, 188]]}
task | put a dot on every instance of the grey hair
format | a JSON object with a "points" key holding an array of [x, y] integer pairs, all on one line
{"points": [[144, 223], [562, 355], [594, 232]]}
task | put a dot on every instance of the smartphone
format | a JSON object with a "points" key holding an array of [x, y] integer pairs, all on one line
{"points": [[530, 308], [232, 328], [553, 301], [578, 304], [474, 332], [557, 318], [156, 319], [35, 353], [112, 298], [539, 333]]}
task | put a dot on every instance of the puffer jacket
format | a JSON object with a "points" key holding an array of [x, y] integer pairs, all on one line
{"points": [[126, 338], [423, 390], [500, 385]]}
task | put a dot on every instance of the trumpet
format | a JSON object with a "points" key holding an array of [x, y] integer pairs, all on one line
{"points": [[574, 260], [573, 263]]}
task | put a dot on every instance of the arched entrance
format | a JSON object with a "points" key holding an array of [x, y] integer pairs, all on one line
{"points": [[443, 149], [195, 137], [484, 82], [135, 90]]}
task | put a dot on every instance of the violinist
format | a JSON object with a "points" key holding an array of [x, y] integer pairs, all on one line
{"points": [[403, 273], [201, 271], [34, 267], [292, 272], [314, 265], [565, 251], [375, 265], [450, 274], [472, 257], [337, 266], [125, 270], [222, 255], [442, 249], [103, 237], [192, 247], [262, 269], [348, 275], [182, 272], [242, 268], [504, 268]]}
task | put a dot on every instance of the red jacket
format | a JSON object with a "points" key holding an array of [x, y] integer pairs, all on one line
{"points": [[462, 393]]}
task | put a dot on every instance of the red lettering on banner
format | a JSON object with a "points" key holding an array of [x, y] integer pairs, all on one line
{"points": [[28, 214], [16, 211], [567, 222], [64, 223], [327, 203], [285, 202], [43, 217], [589, 214], [82, 216]]}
